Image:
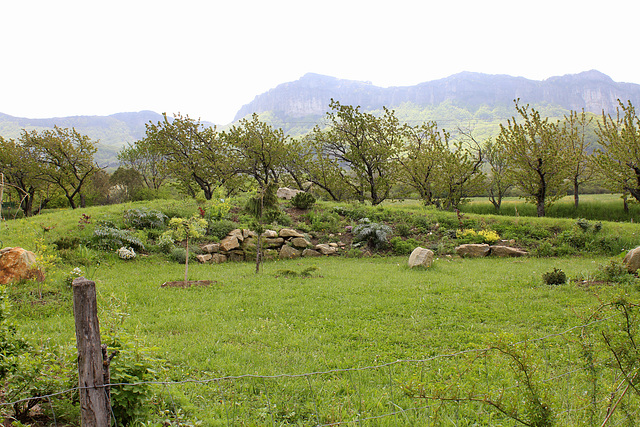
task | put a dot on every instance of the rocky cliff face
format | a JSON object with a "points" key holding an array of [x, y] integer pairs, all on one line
{"points": [[311, 94]]}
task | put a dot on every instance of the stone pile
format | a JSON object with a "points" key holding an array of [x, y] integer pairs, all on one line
{"points": [[240, 245]]}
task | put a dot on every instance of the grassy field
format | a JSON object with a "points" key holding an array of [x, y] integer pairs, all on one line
{"points": [[362, 341]]}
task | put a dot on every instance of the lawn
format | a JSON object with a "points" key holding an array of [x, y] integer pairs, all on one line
{"points": [[359, 341]]}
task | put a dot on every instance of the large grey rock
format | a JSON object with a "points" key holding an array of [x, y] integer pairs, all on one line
{"points": [[421, 257], [632, 260], [229, 243], [248, 233], [211, 248], [270, 234], [287, 193], [218, 258], [237, 233], [325, 249], [471, 250], [310, 253], [204, 258], [273, 243], [300, 243], [289, 232], [507, 251], [288, 252]]}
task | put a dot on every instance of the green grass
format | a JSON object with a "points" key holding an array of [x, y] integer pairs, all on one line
{"points": [[362, 341]]}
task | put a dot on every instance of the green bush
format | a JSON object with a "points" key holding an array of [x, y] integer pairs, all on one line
{"points": [[107, 236], [615, 272], [374, 234], [555, 277], [179, 255], [144, 218], [303, 200], [221, 228], [403, 247]]}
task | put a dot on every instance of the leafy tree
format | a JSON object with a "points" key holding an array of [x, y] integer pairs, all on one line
{"points": [[538, 157], [264, 200], [193, 154], [193, 227], [318, 167], [66, 159], [257, 150], [498, 182], [619, 158], [576, 130], [148, 162], [365, 146], [21, 170], [459, 174], [129, 180], [419, 161]]}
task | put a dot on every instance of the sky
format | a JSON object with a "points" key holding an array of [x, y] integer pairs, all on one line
{"points": [[209, 58]]}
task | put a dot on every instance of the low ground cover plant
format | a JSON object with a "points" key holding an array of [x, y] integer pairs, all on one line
{"points": [[307, 316]]}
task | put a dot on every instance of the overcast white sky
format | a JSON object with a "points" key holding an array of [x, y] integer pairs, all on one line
{"points": [[208, 58]]}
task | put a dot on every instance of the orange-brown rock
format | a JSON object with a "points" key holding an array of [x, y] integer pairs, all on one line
{"points": [[17, 264]]}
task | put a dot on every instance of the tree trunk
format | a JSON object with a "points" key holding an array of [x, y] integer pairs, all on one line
{"points": [[186, 262], [576, 195], [540, 208]]}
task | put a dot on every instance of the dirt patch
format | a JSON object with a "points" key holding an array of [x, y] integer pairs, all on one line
{"points": [[187, 284]]}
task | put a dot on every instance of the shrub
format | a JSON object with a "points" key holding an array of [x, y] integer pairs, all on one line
{"points": [[555, 277], [165, 242], [326, 221], [614, 272], [107, 236], [66, 242], [373, 233], [179, 255], [220, 228], [144, 218], [303, 200], [403, 247], [403, 229], [126, 253]]}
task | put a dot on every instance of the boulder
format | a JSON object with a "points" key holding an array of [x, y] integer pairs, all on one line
{"points": [[270, 234], [325, 249], [248, 233], [632, 260], [300, 242], [218, 258], [471, 250], [421, 257], [229, 243], [288, 232], [211, 248], [17, 264], [507, 251], [289, 252], [287, 193], [273, 243], [237, 233], [203, 258], [310, 253]]}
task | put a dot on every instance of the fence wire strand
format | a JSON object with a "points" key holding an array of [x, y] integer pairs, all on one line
{"points": [[355, 371]]}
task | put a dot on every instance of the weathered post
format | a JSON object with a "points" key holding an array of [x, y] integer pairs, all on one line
{"points": [[94, 403]]}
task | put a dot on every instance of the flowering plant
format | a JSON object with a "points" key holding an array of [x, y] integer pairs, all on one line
{"points": [[126, 253], [74, 274]]}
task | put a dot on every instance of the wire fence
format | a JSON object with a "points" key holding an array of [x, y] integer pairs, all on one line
{"points": [[566, 378]]}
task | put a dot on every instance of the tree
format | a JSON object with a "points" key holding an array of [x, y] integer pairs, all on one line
{"points": [[538, 157], [498, 182], [576, 129], [148, 162], [419, 161], [365, 146], [66, 159], [264, 200], [193, 153], [619, 158], [459, 175], [313, 164], [257, 150], [183, 228], [21, 170]]}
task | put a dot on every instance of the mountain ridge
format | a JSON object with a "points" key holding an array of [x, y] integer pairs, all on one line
{"points": [[310, 95]]}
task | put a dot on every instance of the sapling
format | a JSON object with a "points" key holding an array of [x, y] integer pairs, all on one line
{"points": [[184, 229]]}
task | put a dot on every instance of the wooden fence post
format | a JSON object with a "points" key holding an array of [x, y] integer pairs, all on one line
{"points": [[95, 407]]}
